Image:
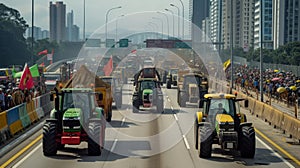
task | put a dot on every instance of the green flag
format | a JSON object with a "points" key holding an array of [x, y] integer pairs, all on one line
{"points": [[34, 70]]}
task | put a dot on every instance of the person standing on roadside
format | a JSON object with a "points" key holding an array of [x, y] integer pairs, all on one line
{"points": [[2, 100]]}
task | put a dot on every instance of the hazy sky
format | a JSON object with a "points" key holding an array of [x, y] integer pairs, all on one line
{"points": [[95, 10]]}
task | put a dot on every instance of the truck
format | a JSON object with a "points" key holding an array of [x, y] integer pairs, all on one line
{"points": [[172, 77], [116, 88], [74, 119], [84, 78], [222, 123]]}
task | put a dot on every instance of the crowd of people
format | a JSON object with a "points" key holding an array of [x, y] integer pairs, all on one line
{"points": [[11, 95], [276, 83]]}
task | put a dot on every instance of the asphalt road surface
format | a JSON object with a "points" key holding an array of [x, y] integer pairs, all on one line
{"points": [[147, 139]]}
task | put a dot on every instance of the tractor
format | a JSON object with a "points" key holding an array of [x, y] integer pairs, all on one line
{"points": [[172, 78], [116, 88], [221, 123], [192, 89], [74, 119], [148, 93]]}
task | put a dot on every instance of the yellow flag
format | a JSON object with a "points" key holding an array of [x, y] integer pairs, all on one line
{"points": [[226, 64]]}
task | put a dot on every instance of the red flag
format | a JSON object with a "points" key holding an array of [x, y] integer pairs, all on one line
{"points": [[133, 51], [42, 64], [26, 80], [108, 68], [44, 52]]}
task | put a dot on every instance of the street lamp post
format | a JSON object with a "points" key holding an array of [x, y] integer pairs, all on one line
{"points": [[83, 33], [231, 46], [178, 18], [117, 26], [162, 26], [156, 27], [32, 29], [173, 21], [261, 54], [168, 27], [106, 18], [182, 19]]}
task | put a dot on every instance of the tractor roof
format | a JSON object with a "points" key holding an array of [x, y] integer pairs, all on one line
{"points": [[77, 89], [148, 79], [107, 77], [219, 96]]}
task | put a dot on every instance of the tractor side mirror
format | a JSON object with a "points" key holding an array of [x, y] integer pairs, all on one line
{"points": [[201, 103], [56, 102], [51, 96], [246, 103]]}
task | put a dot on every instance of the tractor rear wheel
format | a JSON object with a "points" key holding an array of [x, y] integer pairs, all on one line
{"points": [[160, 105], [168, 84], [49, 139], [204, 142], [247, 142], [94, 139], [196, 126]]}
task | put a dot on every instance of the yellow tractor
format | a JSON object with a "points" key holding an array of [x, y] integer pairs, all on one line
{"points": [[221, 123]]}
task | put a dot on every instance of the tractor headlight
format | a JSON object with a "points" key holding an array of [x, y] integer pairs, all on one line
{"points": [[226, 126]]}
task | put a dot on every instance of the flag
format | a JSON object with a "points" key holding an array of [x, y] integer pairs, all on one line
{"points": [[226, 64], [44, 52], [50, 56], [34, 70], [133, 51], [42, 64], [26, 80], [13, 71], [108, 68]]}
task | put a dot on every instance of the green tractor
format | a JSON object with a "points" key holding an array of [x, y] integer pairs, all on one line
{"points": [[148, 93], [221, 123], [74, 119]]}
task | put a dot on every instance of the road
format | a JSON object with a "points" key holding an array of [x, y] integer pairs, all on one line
{"points": [[148, 139]]}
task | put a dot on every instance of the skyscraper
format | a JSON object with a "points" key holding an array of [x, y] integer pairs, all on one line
{"points": [[57, 21], [215, 17], [267, 28], [286, 22], [72, 30]]}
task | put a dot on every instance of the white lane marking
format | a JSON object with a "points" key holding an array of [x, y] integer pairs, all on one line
{"points": [[123, 120], [27, 156], [172, 108], [114, 145], [169, 100], [186, 142], [275, 153], [175, 116]]}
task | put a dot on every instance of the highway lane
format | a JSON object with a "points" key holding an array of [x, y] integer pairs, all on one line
{"points": [[149, 139]]}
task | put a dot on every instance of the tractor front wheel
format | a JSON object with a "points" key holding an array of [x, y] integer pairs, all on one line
{"points": [[247, 142], [94, 139], [49, 139]]}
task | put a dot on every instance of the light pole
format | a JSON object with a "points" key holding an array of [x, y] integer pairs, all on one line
{"points": [[106, 18], [173, 21], [156, 27], [162, 26], [168, 27], [231, 45], [117, 26], [182, 19], [83, 21], [32, 29], [178, 18], [261, 54]]}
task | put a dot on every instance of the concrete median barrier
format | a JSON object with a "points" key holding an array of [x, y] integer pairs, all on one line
{"points": [[31, 112], [258, 109], [4, 131], [24, 117], [291, 126]]}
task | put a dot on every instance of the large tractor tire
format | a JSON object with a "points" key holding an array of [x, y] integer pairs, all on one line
{"points": [[135, 106], [169, 83], [247, 142], [49, 139], [160, 105], [119, 101], [182, 99], [196, 126], [204, 141], [94, 139], [109, 114]]}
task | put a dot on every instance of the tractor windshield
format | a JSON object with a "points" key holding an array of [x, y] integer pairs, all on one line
{"points": [[76, 100], [147, 85], [192, 80], [221, 106]]}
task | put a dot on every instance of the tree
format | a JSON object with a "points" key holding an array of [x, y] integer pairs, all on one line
{"points": [[12, 41]]}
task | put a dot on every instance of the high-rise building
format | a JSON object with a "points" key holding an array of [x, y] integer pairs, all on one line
{"points": [[286, 24], [244, 31], [72, 30], [267, 28], [215, 22], [227, 8], [45, 34], [199, 10], [57, 21], [37, 32]]}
